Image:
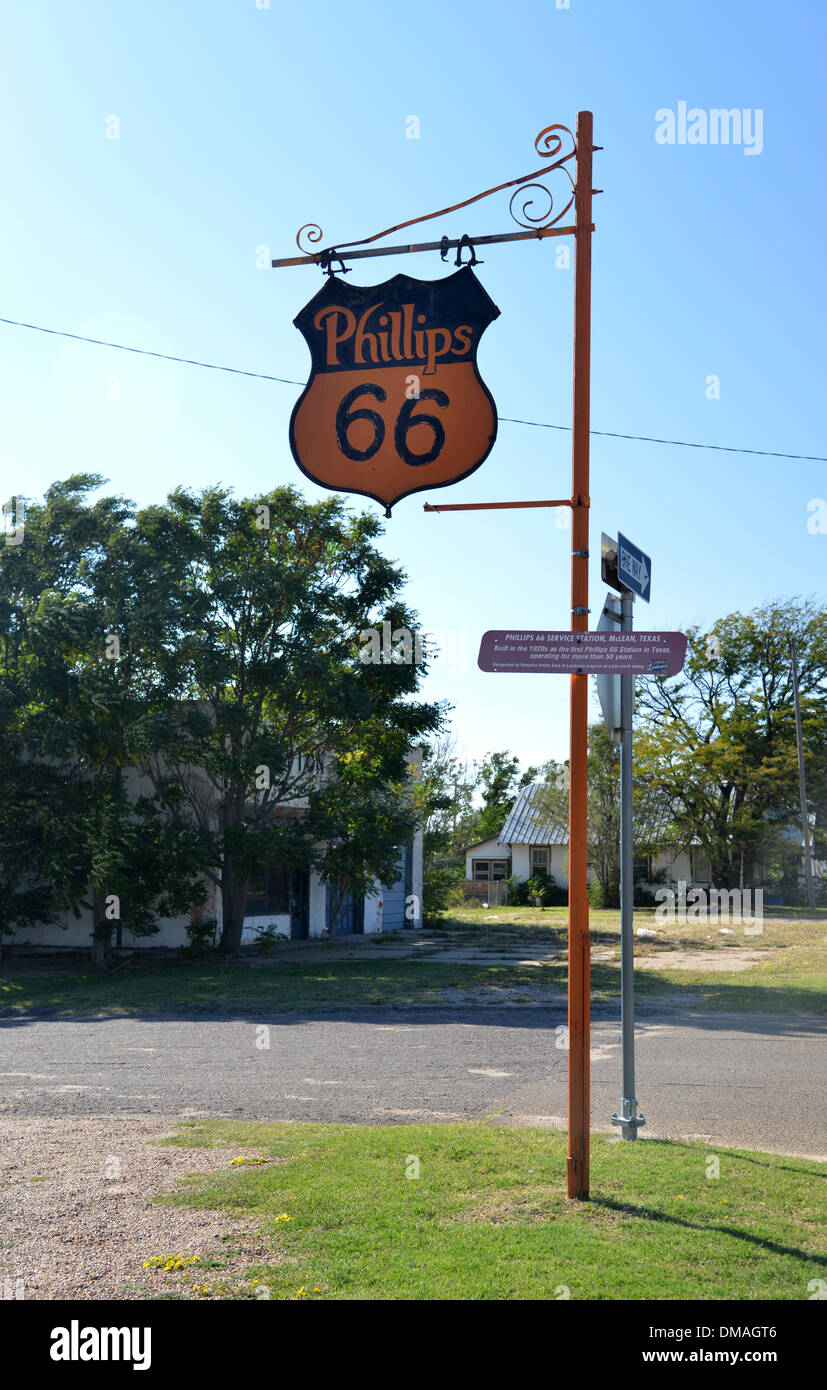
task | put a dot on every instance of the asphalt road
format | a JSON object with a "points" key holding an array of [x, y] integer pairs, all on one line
{"points": [[753, 1081]]}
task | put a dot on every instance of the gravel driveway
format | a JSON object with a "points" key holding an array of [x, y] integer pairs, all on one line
{"points": [[77, 1219]]}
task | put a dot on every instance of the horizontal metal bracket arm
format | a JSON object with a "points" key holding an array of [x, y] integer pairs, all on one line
{"points": [[411, 248], [495, 506], [549, 145]]}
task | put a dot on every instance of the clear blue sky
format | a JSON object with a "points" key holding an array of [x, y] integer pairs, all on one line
{"points": [[238, 124]]}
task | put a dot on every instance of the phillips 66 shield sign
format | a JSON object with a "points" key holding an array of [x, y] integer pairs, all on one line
{"points": [[394, 403]]}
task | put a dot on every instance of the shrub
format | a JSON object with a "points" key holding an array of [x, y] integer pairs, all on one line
{"points": [[556, 895], [267, 938], [200, 937], [545, 887], [596, 895], [517, 891], [441, 891]]}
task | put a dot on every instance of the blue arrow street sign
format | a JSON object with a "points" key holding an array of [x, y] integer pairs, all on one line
{"points": [[634, 568]]}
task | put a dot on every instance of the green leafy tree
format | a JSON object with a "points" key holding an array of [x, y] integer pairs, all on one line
{"points": [[360, 821], [445, 797], [285, 742], [212, 644], [499, 781], [33, 839], [717, 742], [76, 681], [603, 772]]}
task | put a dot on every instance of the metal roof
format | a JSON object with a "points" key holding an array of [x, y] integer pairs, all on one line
{"points": [[525, 827]]}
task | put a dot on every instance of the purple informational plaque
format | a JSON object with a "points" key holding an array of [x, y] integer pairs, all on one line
{"points": [[572, 653]]}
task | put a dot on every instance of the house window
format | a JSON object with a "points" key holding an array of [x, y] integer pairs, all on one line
{"points": [[539, 860], [643, 868], [700, 868], [268, 893], [488, 870]]}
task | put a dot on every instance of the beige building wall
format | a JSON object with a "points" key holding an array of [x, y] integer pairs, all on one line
{"points": [[487, 849]]}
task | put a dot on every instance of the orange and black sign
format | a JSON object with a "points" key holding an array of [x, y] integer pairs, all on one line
{"points": [[395, 403]]}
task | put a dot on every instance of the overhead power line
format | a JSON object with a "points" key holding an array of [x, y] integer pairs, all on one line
{"points": [[506, 419], [145, 352], [683, 443]]}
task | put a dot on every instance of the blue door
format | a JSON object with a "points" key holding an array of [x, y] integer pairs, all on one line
{"points": [[344, 911], [394, 894]]}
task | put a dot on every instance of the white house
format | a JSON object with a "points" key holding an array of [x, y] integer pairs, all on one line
{"points": [[294, 902], [525, 846], [529, 844]]}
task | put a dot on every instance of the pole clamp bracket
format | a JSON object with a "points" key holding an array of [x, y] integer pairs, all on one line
{"points": [[466, 242], [581, 554], [629, 1121], [326, 259], [581, 610]]}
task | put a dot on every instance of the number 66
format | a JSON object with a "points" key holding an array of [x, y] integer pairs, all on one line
{"points": [[405, 421]]}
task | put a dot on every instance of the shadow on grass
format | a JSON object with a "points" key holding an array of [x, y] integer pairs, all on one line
{"points": [[372, 990], [653, 1214], [785, 1167], [607, 937], [738, 996]]}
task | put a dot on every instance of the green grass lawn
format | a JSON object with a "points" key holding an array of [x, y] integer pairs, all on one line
{"points": [[792, 983], [487, 1216], [186, 988], [789, 976], [499, 927]]}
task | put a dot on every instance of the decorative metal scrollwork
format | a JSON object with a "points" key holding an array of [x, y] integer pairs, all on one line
{"points": [[526, 218], [314, 235], [549, 142], [548, 145]]}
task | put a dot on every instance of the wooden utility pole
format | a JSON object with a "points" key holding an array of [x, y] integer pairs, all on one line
{"points": [[579, 995], [548, 144], [577, 1162]]}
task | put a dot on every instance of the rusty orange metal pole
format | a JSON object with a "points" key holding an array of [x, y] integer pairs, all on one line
{"points": [[579, 997]]}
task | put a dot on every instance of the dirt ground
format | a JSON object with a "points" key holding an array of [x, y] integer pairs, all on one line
{"points": [[730, 958]]}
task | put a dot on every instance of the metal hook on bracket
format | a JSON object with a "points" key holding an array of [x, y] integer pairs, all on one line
{"points": [[466, 241], [326, 259]]}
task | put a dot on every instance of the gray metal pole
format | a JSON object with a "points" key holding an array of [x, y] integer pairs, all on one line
{"points": [[628, 1119], [802, 786]]}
